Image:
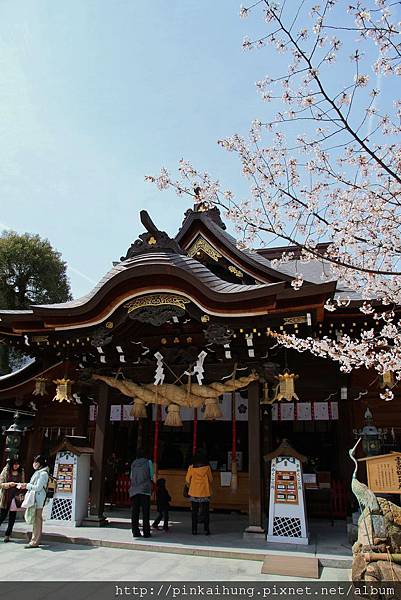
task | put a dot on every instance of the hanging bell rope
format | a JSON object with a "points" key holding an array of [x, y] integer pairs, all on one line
{"points": [[195, 434], [138, 409], [234, 464], [173, 418], [156, 441], [156, 437]]}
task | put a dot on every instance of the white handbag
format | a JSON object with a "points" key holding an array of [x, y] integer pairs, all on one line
{"points": [[47, 509], [29, 499]]}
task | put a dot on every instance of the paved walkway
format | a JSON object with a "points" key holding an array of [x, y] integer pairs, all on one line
{"points": [[328, 542], [63, 562]]}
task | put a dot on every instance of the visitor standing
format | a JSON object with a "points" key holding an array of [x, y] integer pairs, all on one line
{"points": [[38, 484], [10, 496], [163, 500], [142, 474], [199, 481]]}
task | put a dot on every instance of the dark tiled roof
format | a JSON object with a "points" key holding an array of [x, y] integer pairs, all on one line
{"points": [[169, 262]]}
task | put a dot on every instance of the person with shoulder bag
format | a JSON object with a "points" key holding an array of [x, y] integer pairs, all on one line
{"points": [[37, 485], [10, 497]]}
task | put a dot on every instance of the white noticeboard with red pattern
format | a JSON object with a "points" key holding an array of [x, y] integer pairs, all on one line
{"points": [[305, 411], [287, 513], [281, 411]]}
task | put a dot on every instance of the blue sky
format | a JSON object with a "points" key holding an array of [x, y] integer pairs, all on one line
{"points": [[96, 94]]}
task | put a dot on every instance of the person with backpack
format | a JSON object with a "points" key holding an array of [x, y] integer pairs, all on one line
{"points": [[38, 485], [163, 500], [140, 491]]}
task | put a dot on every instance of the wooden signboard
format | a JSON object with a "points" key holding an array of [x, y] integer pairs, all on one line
{"points": [[287, 514], [384, 473], [286, 489], [65, 478]]}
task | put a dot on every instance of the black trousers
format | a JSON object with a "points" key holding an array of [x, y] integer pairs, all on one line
{"points": [[200, 512], [140, 501], [162, 514], [12, 515]]}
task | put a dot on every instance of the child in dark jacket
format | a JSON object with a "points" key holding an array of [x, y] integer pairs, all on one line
{"points": [[163, 499]]}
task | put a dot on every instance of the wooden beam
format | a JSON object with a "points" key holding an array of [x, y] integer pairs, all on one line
{"points": [[96, 515], [294, 566], [267, 447], [255, 459]]}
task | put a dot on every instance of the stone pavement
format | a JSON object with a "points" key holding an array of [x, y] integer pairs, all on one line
{"points": [[65, 562], [328, 542], [233, 556]]}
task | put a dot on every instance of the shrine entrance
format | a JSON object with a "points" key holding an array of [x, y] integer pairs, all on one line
{"points": [[176, 349], [175, 448]]}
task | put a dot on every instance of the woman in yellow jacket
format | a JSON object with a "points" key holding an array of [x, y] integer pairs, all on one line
{"points": [[199, 481]]}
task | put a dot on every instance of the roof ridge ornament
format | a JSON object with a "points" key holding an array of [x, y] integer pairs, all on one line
{"points": [[153, 240], [211, 212]]}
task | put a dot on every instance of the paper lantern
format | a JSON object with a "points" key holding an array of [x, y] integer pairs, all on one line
{"points": [[63, 390], [286, 390], [40, 387]]}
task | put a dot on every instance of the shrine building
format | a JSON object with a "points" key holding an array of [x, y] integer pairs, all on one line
{"points": [[174, 350]]}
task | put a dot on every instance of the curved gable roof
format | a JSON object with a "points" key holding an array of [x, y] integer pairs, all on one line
{"points": [[147, 273], [200, 224]]}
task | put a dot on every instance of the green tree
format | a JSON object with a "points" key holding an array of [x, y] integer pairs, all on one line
{"points": [[31, 272]]}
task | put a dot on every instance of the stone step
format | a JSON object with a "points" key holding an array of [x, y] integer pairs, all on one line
{"points": [[325, 560]]}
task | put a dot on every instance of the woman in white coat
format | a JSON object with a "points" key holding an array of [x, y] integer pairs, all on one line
{"points": [[38, 484]]}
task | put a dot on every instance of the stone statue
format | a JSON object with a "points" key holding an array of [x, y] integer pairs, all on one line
{"points": [[377, 551]]}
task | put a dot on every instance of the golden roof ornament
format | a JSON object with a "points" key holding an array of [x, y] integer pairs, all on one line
{"points": [[286, 389], [387, 379], [40, 387], [63, 390]]}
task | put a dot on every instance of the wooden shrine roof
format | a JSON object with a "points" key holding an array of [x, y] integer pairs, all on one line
{"points": [[201, 224], [74, 445], [208, 227], [162, 271], [285, 449]]}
